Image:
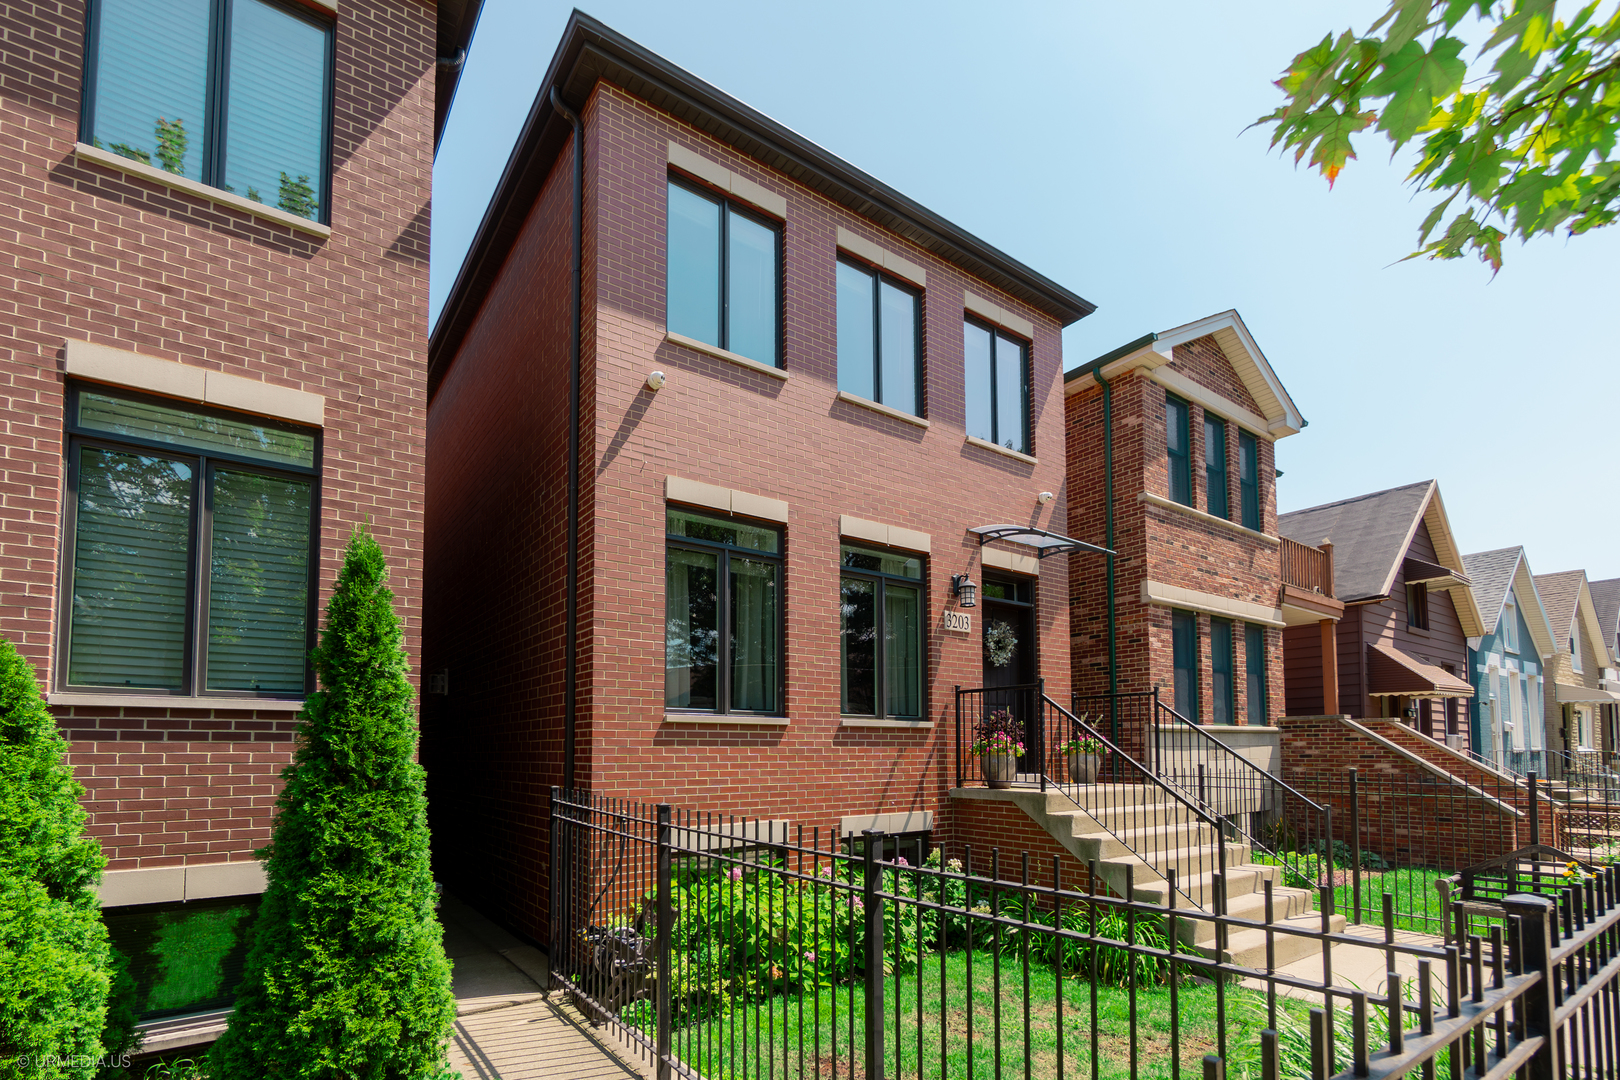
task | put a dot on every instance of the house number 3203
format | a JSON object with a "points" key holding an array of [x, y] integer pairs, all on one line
{"points": [[959, 621]]}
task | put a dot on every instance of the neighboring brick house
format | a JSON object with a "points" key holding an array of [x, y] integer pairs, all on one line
{"points": [[1192, 415], [798, 393], [1402, 644], [1508, 662], [1580, 711], [213, 367]]}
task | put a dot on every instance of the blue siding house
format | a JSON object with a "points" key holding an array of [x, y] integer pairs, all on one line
{"points": [[1508, 662]]}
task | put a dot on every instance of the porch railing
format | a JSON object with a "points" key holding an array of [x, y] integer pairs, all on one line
{"points": [[1306, 567]]}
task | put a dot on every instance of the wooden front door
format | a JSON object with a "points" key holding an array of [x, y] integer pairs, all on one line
{"points": [[1010, 655]]}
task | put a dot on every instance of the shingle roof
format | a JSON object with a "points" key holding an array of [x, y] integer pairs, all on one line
{"points": [[1369, 533], [1492, 574], [1606, 598], [1559, 594]]}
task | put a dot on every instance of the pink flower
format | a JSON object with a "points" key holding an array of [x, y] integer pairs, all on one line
{"points": [[736, 873], [810, 955], [855, 902], [901, 861]]}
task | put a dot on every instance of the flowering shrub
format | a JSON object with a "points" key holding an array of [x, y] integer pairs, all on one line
{"points": [[998, 733]]}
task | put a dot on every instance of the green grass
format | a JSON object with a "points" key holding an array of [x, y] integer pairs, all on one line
{"points": [[1417, 901], [773, 1037]]}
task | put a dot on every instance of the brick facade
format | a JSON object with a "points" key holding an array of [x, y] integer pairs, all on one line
{"points": [[90, 253], [497, 508]]}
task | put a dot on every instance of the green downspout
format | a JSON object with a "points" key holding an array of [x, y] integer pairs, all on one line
{"points": [[1108, 542]]}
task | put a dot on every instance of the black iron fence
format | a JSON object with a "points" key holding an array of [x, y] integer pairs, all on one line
{"points": [[721, 948]]}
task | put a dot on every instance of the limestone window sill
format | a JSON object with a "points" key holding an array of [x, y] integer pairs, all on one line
{"points": [[1209, 519], [986, 444], [722, 354], [175, 701], [86, 152], [725, 718], [868, 722], [879, 407]]}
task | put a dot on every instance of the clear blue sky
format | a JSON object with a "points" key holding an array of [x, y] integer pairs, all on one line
{"points": [[1103, 145]]}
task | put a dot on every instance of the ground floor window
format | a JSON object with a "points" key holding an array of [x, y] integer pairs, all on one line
{"points": [[881, 647], [1254, 659], [723, 615], [183, 958], [1184, 647], [188, 548], [1220, 671]]}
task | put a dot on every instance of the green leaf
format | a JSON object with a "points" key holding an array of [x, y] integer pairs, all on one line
{"points": [[1406, 19], [1414, 79]]}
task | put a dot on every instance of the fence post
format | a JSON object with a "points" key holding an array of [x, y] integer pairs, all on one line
{"points": [[1540, 1001], [1355, 843], [1040, 726], [958, 690], [666, 889], [874, 959], [554, 906], [1535, 813]]}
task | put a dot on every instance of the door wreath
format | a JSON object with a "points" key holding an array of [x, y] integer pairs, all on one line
{"points": [[999, 643]]}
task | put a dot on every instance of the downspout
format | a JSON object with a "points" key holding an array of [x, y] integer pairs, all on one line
{"points": [[571, 619], [1108, 542]]}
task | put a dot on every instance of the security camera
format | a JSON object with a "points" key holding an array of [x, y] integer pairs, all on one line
{"points": [[655, 380]]}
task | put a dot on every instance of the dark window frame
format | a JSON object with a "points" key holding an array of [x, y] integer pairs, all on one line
{"points": [[1178, 464], [1188, 709], [1254, 662], [1025, 361], [722, 677], [1249, 485], [880, 668], [879, 279], [217, 97], [1222, 662], [1417, 605], [728, 205], [1216, 480], [199, 537]]}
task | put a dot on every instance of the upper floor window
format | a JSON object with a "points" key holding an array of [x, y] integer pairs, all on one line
{"points": [[189, 539], [1215, 465], [722, 614], [723, 273], [1249, 480], [1417, 605], [1178, 441], [1510, 625], [236, 94], [878, 337], [996, 384], [881, 655]]}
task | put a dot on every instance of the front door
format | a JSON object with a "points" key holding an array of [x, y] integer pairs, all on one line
{"points": [[1010, 655]]}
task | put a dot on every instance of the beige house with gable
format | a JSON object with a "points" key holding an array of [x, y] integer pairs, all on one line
{"points": [[1580, 712]]}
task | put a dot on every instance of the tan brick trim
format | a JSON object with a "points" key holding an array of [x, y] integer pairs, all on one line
{"points": [[738, 187], [1007, 560], [171, 884], [175, 701], [875, 532], [1160, 594], [879, 407], [122, 367], [1000, 316], [696, 493], [986, 444], [1184, 387], [899, 822], [862, 248], [869, 722], [722, 354], [724, 718]]}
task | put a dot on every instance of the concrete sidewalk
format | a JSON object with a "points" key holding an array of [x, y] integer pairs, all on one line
{"points": [[506, 1029]]}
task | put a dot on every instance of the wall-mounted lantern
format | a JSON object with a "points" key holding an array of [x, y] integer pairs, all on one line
{"points": [[963, 589]]}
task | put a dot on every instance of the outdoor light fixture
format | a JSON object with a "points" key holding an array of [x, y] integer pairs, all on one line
{"points": [[655, 381], [966, 593], [1044, 497]]}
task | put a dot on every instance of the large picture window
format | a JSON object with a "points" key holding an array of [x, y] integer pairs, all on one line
{"points": [[723, 615], [1215, 495], [723, 270], [235, 94], [1249, 480], [1184, 651], [878, 337], [189, 547], [1178, 446], [996, 378], [881, 657]]}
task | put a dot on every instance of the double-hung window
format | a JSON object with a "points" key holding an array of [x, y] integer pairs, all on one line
{"points": [[879, 324], [723, 615], [1220, 671], [1178, 442], [1249, 480], [724, 266], [236, 94], [881, 654], [996, 382], [1254, 659], [1184, 653], [1215, 466], [190, 539]]}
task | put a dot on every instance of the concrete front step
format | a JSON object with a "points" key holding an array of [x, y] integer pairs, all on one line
{"points": [[1248, 947]]}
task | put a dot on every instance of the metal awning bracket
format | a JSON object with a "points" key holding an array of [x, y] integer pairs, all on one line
{"points": [[1045, 543]]}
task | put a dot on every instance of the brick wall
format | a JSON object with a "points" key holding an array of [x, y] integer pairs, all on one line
{"points": [[996, 835], [89, 253], [496, 496]]}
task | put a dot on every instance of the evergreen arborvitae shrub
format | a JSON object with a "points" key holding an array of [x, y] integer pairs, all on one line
{"points": [[55, 962], [346, 975]]}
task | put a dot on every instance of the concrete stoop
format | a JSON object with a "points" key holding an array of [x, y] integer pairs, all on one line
{"points": [[1134, 811]]}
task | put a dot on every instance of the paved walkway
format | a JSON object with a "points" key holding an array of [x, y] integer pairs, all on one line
{"points": [[506, 1029]]}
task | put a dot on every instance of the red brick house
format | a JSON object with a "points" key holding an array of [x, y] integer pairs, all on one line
{"points": [[1189, 418], [213, 366], [798, 393], [1401, 648]]}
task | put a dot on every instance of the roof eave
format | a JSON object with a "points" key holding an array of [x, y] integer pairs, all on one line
{"points": [[457, 23]]}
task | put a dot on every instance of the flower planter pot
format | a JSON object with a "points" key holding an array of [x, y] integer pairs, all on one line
{"points": [[1083, 768], [1000, 770]]}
